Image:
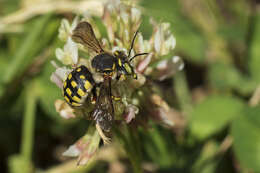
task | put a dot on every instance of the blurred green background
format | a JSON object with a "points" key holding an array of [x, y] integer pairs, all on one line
{"points": [[217, 91]]}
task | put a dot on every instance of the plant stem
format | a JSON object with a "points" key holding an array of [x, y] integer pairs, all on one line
{"points": [[28, 122], [182, 91], [130, 147]]}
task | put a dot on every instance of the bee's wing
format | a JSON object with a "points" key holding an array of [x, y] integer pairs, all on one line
{"points": [[104, 110], [85, 35]]}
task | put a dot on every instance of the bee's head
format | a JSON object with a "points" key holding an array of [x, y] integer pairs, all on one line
{"points": [[120, 55]]}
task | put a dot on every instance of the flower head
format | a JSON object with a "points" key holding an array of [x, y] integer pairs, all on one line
{"points": [[122, 23]]}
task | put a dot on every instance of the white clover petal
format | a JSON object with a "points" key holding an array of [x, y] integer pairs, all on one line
{"points": [[178, 61], [112, 5], [126, 35], [65, 24], [131, 111], [59, 76], [104, 42], [147, 46], [57, 80], [54, 64], [64, 109], [69, 54], [144, 63], [181, 67], [59, 54], [164, 115], [66, 115], [72, 151], [125, 17], [62, 72], [170, 43], [140, 41], [162, 65], [64, 29], [175, 59], [165, 26], [158, 40], [135, 14], [74, 23], [72, 48]]}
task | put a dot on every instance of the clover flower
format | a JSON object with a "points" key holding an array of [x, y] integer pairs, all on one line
{"points": [[137, 96]]}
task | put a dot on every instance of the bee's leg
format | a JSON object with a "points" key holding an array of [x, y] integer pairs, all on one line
{"points": [[110, 95], [94, 95], [118, 75], [105, 139], [116, 98]]}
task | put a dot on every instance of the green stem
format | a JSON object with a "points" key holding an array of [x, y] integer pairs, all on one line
{"points": [[130, 147], [182, 91], [28, 123]]}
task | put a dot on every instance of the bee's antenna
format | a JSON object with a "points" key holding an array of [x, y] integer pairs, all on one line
{"points": [[132, 43], [139, 54]]}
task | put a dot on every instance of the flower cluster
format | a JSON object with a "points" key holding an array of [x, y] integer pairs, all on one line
{"points": [[121, 22]]}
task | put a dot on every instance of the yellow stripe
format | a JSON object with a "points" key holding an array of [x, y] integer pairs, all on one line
{"points": [[74, 84], [78, 69], [64, 84], [68, 91], [70, 76], [106, 69], [75, 104], [81, 92], [67, 99], [76, 99], [87, 85], [114, 66], [82, 77], [119, 62]]}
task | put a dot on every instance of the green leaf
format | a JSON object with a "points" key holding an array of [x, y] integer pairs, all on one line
{"points": [[246, 133], [213, 114], [226, 76], [20, 56], [48, 92], [255, 51]]}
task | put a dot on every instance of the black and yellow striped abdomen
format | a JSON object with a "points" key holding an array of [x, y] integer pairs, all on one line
{"points": [[77, 86]]}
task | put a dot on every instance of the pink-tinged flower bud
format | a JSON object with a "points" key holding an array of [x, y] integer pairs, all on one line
{"points": [[85, 148], [144, 63], [64, 109], [130, 112]]}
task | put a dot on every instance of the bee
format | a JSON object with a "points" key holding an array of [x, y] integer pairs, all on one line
{"points": [[105, 62], [78, 85]]}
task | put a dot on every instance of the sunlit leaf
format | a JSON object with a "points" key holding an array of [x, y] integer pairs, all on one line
{"points": [[246, 133], [255, 51], [214, 114]]}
